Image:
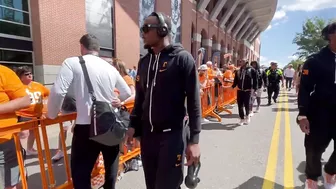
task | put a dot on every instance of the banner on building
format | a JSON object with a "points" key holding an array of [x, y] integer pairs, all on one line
{"points": [[146, 7], [176, 20]]}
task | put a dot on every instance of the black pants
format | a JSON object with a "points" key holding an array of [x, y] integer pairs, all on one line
{"points": [[322, 132], [84, 153], [163, 156], [243, 101], [289, 81], [273, 88]]}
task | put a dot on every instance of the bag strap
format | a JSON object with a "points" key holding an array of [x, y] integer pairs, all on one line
{"points": [[87, 78]]}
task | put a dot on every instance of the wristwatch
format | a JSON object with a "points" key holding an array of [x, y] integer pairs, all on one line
{"points": [[301, 118]]}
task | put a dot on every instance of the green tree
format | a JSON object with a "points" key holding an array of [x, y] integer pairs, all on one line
{"points": [[309, 41], [295, 63]]}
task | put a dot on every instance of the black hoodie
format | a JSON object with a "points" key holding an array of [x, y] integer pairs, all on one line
{"points": [[318, 81], [163, 82]]}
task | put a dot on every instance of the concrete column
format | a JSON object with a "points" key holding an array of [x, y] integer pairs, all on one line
{"points": [[243, 30], [202, 5], [224, 50], [249, 39], [239, 26], [237, 17], [216, 10], [207, 44], [255, 36], [216, 46], [232, 6], [248, 33], [197, 37]]}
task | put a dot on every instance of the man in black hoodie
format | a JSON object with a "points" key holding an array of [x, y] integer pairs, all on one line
{"points": [[246, 81], [317, 102], [166, 77]]}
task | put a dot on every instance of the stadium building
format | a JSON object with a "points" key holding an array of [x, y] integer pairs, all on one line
{"points": [[42, 34]]}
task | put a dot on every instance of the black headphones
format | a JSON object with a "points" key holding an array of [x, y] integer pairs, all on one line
{"points": [[163, 29]]}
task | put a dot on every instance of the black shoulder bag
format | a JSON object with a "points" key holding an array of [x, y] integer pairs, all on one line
{"points": [[107, 126]]}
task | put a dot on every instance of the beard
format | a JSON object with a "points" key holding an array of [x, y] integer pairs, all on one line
{"points": [[146, 46]]}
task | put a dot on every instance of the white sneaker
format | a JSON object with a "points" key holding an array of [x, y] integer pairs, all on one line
{"points": [[205, 120], [257, 110], [31, 152], [58, 156], [310, 184], [247, 120], [251, 114], [242, 121], [329, 181]]}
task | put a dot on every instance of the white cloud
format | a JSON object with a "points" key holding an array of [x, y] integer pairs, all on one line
{"points": [[300, 5], [309, 5], [293, 57], [269, 27], [263, 59], [279, 14]]}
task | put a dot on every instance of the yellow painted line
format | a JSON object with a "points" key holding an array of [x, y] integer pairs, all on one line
{"points": [[271, 169], [288, 169]]}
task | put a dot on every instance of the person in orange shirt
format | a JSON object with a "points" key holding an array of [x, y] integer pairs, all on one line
{"points": [[121, 67], [37, 93], [211, 73], [13, 97]]}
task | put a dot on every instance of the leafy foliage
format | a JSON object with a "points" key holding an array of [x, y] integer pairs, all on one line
{"points": [[309, 41], [295, 63]]}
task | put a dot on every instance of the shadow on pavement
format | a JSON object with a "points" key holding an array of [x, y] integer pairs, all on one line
{"points": [[52, 153], [285, 109], [301, 169], [230, 116], [219, 126], [34, 180], [257, 183]]}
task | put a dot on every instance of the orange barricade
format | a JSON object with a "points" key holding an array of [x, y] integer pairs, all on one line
{"points": [[208, 103], [227, 96]]}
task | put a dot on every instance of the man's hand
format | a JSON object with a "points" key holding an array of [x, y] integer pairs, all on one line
{"points": [[116, 102], [304, 126], [129, 135], [193, 154]]}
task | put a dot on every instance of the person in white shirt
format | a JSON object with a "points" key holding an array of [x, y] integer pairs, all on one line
{"points": [[104, 78], [289, 75]]}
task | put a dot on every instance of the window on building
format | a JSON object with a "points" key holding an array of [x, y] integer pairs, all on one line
{"points": [[14, 18], [15, 4], [100, 22], [14, 56]]}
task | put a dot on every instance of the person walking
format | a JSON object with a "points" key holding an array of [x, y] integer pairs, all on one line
{"points": [[104, 78], [261, 82], [289, 74], [246, 81], [317, 102], [274, 76], [166, 76]]}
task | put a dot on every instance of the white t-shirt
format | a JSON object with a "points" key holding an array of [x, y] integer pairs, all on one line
{"points": [[104, 78], [289, 72]]}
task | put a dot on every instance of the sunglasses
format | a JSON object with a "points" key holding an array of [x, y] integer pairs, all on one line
{"points": [[147, 27], [28, 73]]}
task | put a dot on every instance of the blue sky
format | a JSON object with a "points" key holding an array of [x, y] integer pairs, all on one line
{"points": [[276, 41]]}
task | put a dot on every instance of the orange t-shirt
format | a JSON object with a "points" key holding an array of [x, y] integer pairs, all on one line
{"points": [[211, 73], [10, 88], [128, 80], [37, 92]]}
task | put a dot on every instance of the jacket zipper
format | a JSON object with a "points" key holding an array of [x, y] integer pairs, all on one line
{"points": [[243, 80], [151, 95]]}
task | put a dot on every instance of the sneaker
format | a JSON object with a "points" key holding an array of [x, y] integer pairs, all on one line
{"points": [[251, 114], [242, 121], [329, 181], [257, 110], [311, 184], [205, 120], [31, 152], [58, 156], [247, 120]]}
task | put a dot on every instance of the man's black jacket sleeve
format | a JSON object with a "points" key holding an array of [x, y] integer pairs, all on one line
{"points": [[254, 80], [135, 117], [264, 78], [193, 97], [307, 85], [235, 80]]}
